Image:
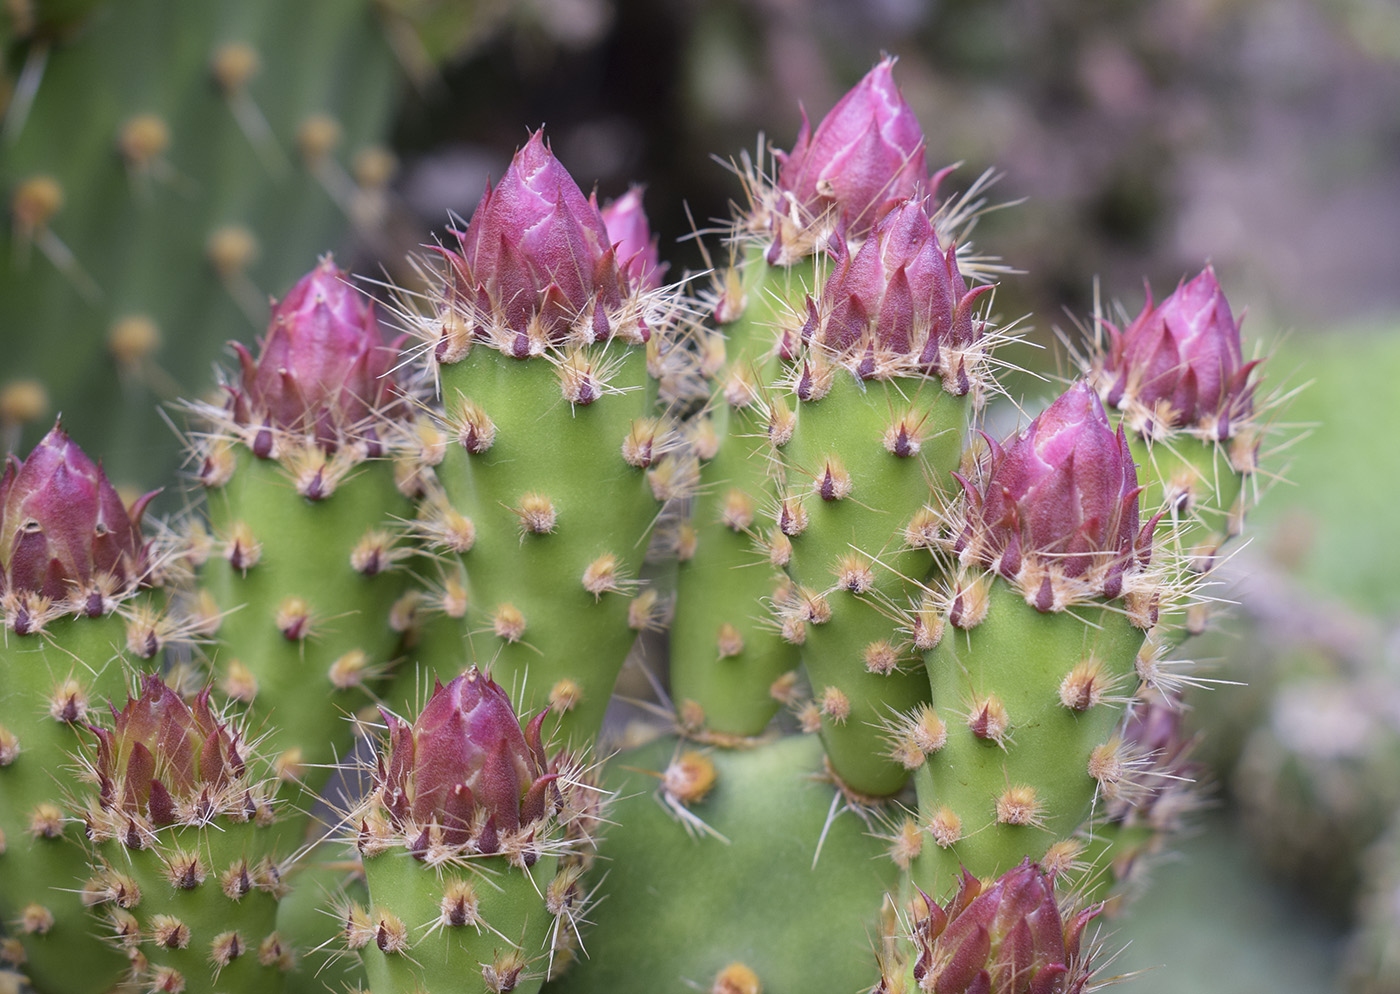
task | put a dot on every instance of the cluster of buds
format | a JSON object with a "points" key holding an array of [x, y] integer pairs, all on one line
{"points": [[1054, 509], [168, 762], [323, 378], [1179, 365], [538, 268], [68, 545], [867, 152], [900, 306], [463, 779], [1007, 936]]}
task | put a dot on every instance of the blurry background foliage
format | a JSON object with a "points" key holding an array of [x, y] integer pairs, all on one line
{"points": [[1140, 139]]}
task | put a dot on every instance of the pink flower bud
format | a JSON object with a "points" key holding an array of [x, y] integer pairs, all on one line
{"points": [[166, 760], [324, 369], [1181, 363], [900, 305], [632, 240], [465, 765], [1006, 936], [537, 260], [867, 151], [64, 532], [1055, 509]]}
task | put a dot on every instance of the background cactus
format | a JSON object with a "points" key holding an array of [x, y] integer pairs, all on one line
{"points": [[166, 169]]}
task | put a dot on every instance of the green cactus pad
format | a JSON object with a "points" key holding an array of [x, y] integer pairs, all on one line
{"points": [[451, 928], [861, 490], [726, 650], [556, 510], [1026, 698], [42, 857], [182, 201], [684, 904], [282, 557], [199, 904]]}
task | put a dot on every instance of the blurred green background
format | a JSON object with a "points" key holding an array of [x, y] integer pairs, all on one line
{"points": [[1137, 140]]}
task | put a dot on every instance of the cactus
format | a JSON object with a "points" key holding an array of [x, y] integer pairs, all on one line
{"points": [[1010, 935], [152, 220], [694, 825], [1178, 376], [1045, 620], [186, 873], [472, 846], [475, 509], [79, 620], [730, 661], [892, 367], [305, 517], [545, 341]]}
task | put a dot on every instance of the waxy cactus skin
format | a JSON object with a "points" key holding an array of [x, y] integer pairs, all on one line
{"points": [[544, 349], [187, 871], [73, 560], [306, 517], [695, 827], [888, 364], [466, 852], [1045, 619]]}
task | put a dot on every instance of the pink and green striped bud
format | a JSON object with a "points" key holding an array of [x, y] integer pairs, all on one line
{"points": [[67, 542], [900, 306], [536, 267], [1180, 365], [1007, 937], [324, 370], [634, 244], [1055, 509], [866, 152], [167, 761], [464, 776]]}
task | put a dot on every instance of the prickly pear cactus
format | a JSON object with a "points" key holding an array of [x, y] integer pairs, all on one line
{"points": [[150, 224], [186, 870], [730, 663], [696, 826], [305, 518], [78, 622], [1178, 376], [473, 842], [547, 343], [1009, 934], [891, 367], [1045, 619]]}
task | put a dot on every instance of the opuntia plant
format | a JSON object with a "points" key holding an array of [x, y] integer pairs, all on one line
{"points": [[917, 720]]}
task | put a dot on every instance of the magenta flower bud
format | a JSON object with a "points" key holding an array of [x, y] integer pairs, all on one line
{"points": [[465, 767], [166, 760], [1055, 509], [324, 369], [867, 151], [1008, 936], [636, 248], [900, 305], [65, 534], [1180, 364], [537, 263]]}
